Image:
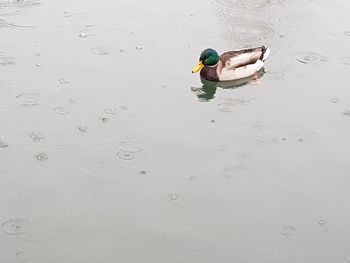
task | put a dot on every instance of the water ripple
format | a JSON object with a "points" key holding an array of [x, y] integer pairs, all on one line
{"points": [[28, 99], [190, 238], [36, 136], [20, 3], [262, 134], [3, 144], [16, 226], [61, 110], [125, 155], [28, 230], [245, 33], [226, 107], [5, 61], [345, 61], [310, 58], [111, 110], [63, 81], [6, 23], [287, 231], [247, 4], [41, 157], [100, 51]]}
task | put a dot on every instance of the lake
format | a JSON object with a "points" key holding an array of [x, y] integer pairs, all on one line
{"points": [[111, 150]]}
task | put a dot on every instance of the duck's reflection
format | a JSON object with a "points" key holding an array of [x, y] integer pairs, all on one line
{"points": [[208, 89]]}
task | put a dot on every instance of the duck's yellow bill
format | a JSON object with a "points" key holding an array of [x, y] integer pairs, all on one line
{"points": [[198, 67]]}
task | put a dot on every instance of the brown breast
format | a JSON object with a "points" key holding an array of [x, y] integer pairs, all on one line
{"points": [[210, 73]]}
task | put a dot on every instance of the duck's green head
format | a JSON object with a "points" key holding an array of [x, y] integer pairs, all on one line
{"points": [[209, 57]]}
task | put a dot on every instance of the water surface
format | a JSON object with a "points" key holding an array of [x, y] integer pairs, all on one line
{"points": [[111, 150]]}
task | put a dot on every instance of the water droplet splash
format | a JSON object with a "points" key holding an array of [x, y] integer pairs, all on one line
{"points": [[123, 155], [5, 61], [124, 107], [174, 197], [61, 111], [28, 99], [67, 14], [21, 256], [104, 119], [83, 129], [36, 136], [322, 222], [346, 112], [287, 231], [100, 51], [130, 147], [335, 100], [63, 81], [111, 110], [41, 157], [3, 144], [15, 226], [127, 150], [83, 34]]}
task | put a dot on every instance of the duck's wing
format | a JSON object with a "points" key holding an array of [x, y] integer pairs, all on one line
{"points": [[241, 58], [242, 64], [240, 72]]}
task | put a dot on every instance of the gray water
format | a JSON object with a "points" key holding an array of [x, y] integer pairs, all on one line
{"points": [[112, 151]]}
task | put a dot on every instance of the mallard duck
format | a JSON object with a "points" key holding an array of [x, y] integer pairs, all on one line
{"points": [[231, 65]]}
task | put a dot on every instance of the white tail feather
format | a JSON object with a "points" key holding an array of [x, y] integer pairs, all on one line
{"points": [[266, 54]]}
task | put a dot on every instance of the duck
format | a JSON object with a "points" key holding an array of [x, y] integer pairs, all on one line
{"points": [[231, 65]]}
